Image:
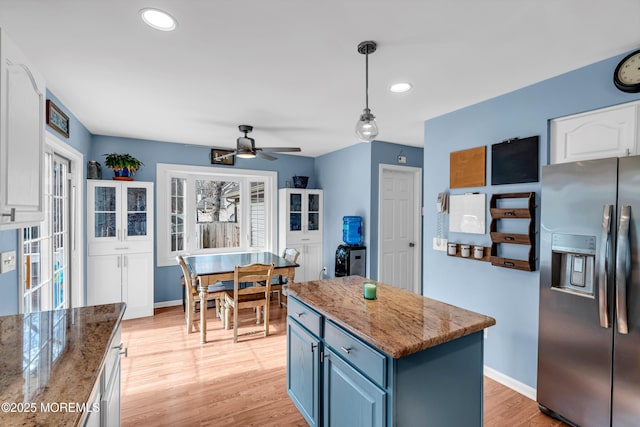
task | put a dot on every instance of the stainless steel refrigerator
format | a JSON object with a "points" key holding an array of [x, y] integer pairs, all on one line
{"points": [[589, 330]]}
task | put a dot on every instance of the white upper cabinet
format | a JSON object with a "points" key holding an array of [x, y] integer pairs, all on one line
{"points": [[300, 227], [300, 215], [22, 97], [608, 132]]}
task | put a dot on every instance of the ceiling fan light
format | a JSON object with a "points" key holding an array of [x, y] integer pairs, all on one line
{"points": [[366, 127], [245, 154]]}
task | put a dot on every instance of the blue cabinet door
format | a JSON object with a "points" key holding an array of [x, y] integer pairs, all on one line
{"points": [[350, 399], [303, 363]]}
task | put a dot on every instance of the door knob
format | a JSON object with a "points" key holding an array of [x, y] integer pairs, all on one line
{"points": [[411, 244]]}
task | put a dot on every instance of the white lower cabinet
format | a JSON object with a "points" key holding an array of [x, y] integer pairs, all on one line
{"points": [[104, 403], [310, 261], [110, 403], [118, 278]]}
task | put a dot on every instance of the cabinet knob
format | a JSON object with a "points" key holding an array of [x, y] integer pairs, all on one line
{"points": [[299, 314], [346, 349]]}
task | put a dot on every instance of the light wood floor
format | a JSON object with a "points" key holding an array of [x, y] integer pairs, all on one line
{"points": [[170, 379]]}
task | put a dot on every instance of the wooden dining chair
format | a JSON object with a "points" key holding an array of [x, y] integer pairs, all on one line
{"points": [[192, 296], [291, 255], [255, 296]]}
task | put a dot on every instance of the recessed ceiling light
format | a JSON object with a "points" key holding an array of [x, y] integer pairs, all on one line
{"points": [[158, 19], [400, 87]]}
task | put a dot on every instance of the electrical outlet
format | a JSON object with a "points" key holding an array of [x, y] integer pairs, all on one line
{"points": [[440, 244], [324, 270]]}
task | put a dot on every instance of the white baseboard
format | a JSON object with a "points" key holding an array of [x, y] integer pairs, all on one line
{"points": [[513, 384], [167, 303]]}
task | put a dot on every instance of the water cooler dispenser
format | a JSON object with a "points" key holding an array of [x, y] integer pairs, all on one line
{"points": [[351, 257]]}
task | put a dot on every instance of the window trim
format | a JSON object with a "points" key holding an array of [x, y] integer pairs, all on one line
{"points": [[166, 171]]}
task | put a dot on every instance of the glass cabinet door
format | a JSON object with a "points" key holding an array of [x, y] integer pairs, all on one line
{"points": [[105, 212], [313, 213], [295, 212], [136, 211]]}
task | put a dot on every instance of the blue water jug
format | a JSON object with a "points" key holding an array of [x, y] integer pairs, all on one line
{"points": [[352, 230]]}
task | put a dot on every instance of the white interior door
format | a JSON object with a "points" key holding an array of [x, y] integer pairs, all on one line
{"points": [[399, 227]]}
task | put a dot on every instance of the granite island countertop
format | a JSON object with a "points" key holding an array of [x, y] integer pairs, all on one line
{"points": [[50, 362], [398, 323]]}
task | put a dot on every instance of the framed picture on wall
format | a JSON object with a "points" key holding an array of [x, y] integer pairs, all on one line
{"points": [[58, 120], [217, 152]]}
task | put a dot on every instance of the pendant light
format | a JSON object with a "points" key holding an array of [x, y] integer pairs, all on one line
{"points": [[366, 128]]}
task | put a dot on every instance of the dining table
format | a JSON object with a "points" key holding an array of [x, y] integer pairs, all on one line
{"points": [[213, 268]]}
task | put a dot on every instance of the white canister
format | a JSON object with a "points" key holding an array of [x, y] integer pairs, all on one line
{"points": [[465, 251], [452, 248], [478, 252]]}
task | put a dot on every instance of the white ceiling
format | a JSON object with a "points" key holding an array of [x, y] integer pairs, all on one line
{"points": [[291, 69]]}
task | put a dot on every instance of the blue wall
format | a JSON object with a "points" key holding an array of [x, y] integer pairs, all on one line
{"points": [[345, 177], [167, 279], [386, 153], [349, 178], [510, 296], [80, 139]]}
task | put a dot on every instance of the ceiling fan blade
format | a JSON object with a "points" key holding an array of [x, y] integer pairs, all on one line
{"points": [[281, 149], [233, 153], [265, 155]]}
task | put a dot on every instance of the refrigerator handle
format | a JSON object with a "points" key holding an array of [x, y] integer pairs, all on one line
{"points": [[603, 268], [622, 252]]}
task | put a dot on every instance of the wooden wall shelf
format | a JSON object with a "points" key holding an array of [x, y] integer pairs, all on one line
{"points": [[529, 238]]}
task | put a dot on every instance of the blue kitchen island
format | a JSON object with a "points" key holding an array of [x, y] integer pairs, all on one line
{"points": [[399, 360]]}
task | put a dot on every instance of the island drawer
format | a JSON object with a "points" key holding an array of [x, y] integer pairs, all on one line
{"points": [[305, 316], [366, 359]]}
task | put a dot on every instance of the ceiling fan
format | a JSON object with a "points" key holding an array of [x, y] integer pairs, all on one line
{"points": [[246, 147]]}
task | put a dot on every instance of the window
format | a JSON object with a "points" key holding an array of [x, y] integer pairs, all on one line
{"points": [[214, 210]]}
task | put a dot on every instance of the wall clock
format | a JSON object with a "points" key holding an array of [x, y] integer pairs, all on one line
{"points": [[626, 77]]}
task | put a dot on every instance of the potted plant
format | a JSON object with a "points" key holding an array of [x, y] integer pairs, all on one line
{"points": [[124, 165]]}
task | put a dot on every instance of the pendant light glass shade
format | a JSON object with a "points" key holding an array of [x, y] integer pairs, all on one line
{"points": [[366, 127]]}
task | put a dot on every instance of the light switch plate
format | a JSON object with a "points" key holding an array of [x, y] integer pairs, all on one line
{"points": [[7, 261]]}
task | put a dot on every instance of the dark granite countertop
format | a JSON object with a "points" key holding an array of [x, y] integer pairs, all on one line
{"points": [[398, 322], [50, 362]]}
